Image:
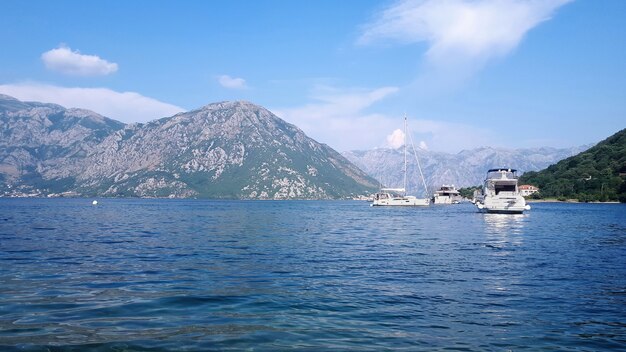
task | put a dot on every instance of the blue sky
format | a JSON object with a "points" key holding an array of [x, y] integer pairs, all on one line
{"points": [[505, 73]]}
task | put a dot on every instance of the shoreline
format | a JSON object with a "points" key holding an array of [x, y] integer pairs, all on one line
{"points": [[567, 201], [294, 199]]}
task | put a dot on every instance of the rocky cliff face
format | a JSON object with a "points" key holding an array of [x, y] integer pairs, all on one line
{"points": [[223, 150], [466, 168], [45, 139]]}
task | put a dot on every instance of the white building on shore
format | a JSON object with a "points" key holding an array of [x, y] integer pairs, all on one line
{"points": [[527, 190]]}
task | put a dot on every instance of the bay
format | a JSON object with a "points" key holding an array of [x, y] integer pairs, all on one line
{"points": [[154, 274]]}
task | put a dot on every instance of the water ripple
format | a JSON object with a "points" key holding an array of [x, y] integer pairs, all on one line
{"points": [[154, 275]]}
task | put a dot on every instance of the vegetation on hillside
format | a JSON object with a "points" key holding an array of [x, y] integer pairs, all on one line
{"points": [[468, 192], [598, 174]]}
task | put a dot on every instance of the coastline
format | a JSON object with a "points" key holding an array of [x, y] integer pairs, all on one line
{"points": [[566, 201]]}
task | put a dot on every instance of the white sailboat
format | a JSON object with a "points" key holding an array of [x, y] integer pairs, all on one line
{"points": [[397, 196]]}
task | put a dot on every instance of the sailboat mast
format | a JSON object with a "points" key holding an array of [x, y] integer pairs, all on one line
{"points": [[405, 140]]}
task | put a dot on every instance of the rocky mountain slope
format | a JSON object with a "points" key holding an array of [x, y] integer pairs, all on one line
{"points": [[466, 168], [222, 150]]}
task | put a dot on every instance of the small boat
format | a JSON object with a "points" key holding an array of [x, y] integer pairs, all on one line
{"points": [[447, 194], [501, 194], [397, 196]]}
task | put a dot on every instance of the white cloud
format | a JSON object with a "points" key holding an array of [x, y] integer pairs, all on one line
{"points": [[460, 32], [227, 81], [339, 118], [396, 139], [123, 106], [63, 59]]}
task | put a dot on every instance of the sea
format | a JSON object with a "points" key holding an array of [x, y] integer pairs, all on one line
{"points": [[205, 275]]}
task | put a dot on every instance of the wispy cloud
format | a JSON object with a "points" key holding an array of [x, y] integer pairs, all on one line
{"points": [[451, 136], [460, 32], [122, 106], [65, 60], [340, 118], [229, 82]]}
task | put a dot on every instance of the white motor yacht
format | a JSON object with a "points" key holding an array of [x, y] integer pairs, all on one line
{"points": [[500, 193], [447, 194]]}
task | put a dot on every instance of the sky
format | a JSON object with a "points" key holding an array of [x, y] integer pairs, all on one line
{"points": [[466, 73]]}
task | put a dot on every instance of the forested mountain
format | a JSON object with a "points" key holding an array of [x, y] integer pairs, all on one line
{"points": [[597, 174]]}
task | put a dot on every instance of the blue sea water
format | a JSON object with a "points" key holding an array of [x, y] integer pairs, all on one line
{"points": [[147, 274]]}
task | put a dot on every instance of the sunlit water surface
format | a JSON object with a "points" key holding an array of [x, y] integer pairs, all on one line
{"points": [[308, 275]]}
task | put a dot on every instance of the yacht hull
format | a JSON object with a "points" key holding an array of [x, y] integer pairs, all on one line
{"points": [[495, 211], [503, 205], [402, 202], [445, 200]]}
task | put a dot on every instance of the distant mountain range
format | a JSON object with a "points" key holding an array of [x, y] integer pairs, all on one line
{"points": [[464, 169], [223, 150]]}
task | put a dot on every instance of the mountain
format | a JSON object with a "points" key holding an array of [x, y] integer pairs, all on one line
{"points": [[43, 139], [223, 150], [464, 169], [597, 174]]}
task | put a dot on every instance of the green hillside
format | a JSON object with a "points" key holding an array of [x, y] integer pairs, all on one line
{"points": [[598, 174]]}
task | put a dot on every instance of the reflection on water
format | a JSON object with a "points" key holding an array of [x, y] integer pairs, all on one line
{"points": [[505, 223], [505, 229], [504, 235]]}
